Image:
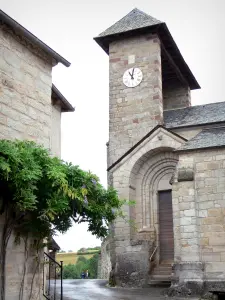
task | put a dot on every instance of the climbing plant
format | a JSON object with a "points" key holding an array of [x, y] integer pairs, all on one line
{"points": [[41, 194]]}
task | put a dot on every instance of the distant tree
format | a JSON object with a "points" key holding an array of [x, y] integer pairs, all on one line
{"points": [[93, 266], [62, 251], [70, 272], [74, 271], [81, 250], [82, 259], [69, 251]]}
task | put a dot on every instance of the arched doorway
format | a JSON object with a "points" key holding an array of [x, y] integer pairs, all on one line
{"points": [[151, 189]]}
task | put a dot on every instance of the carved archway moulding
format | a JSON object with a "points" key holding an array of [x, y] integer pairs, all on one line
{"points": [[153, 174]]}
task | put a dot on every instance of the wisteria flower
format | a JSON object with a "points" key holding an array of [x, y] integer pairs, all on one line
{"points": [[93, 181], [113, 211], [85, 201]]}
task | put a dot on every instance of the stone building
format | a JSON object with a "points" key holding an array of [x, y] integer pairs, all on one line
{"points": [[30, 108], [166, 155]]}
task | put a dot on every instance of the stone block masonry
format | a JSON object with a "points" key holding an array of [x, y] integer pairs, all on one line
{"points": [[133, 112], [26, 112], [105, 265], [176, 97], [210, 189], [199, 228], [25, 91]]}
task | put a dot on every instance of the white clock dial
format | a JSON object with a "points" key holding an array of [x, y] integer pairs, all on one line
{"points": [[132, 77]]}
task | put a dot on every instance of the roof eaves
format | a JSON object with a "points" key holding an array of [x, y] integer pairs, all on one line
{"points": [[31, 37], [103, 41], [164, 34], [199, 149], [53, 245], [66, 106], [193, 125], [164, 30]]}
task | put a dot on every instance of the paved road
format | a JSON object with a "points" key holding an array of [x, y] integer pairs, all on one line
{"points": [[91, 289]]}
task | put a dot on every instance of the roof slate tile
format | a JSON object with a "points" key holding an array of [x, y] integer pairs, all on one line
{"points": [[195, 115], [207, 138], [133, 20]]}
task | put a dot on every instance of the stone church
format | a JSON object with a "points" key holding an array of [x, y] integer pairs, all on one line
{"points": [[166, 155]]}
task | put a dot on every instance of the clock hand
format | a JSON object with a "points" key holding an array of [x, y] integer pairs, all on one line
{"points": [[131, 76]]}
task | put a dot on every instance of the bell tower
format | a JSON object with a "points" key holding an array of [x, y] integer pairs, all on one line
{"points": [[147, 75]]}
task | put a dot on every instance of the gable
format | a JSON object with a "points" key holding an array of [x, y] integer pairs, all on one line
{"points": [[158, 137]]}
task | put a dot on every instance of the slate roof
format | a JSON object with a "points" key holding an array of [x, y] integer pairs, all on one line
{"points": [[64, 103], [53, 245], [207, 138], [21, 31], [195, 115], [136, 23], [133, 20]]}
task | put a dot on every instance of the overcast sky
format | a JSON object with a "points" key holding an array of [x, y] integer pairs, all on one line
{"points": [[68, 26]]}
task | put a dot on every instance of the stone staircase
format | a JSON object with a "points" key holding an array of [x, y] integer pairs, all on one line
{"points": [[161, 273]]}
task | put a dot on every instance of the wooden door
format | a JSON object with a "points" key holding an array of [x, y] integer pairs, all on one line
{"points": [[166, 238]]}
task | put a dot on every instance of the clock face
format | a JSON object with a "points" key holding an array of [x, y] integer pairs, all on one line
{"points": [[132, 77]]}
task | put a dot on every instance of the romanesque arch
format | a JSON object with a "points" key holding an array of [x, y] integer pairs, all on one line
{"points": [[150, 174]]}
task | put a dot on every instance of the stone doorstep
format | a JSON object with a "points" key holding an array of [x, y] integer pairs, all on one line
{"points": [[161, 277]]}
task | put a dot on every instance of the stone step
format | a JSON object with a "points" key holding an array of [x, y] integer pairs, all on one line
{"points": [[162, 272], [166, 262], [166, 283], [160, 280], [161, 277], [166, 268], [163, 269]]}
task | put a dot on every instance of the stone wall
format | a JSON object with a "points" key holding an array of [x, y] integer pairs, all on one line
{"points": [[25, 113], [133, 112], [105, 265], [56, 131], [210, 193], [138, 177], [21, 263], [199, 211], [176, 97], [25, 89]]}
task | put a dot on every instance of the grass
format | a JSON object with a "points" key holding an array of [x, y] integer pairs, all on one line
{"points": [[71, 258]]}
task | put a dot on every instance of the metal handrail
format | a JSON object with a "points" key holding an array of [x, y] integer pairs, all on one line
{"points": [[153, 253], [52, 263], [52, 259]]}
